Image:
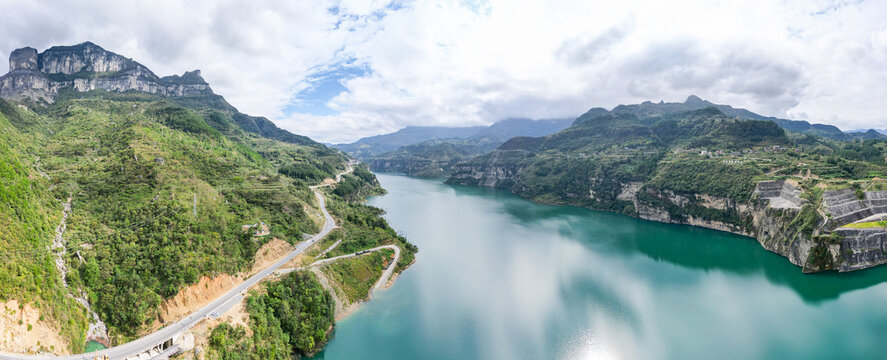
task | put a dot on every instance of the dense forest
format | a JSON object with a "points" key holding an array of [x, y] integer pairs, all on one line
{"points": [[293, 318]]}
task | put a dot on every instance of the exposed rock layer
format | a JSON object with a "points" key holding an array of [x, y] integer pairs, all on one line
{"points": [[84, 67], [768, 216]]}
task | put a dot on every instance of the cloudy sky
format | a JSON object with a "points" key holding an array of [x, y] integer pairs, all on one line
{"points": [[340, 70]]}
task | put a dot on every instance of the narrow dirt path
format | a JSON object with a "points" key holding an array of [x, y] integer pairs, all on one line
{"points": [[333, 246]]}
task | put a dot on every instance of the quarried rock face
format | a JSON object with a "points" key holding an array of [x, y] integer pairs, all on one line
{"points": [[780, 194], [862, 248], [84, 67]]}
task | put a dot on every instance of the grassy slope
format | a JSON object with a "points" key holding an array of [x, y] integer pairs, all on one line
{"points": [[356, 276], [871, 224]]}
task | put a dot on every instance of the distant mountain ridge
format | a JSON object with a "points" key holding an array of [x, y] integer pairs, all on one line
{"points": [[693, 102], [882, 131], [435, 157], [496, 133], [373, 145]]}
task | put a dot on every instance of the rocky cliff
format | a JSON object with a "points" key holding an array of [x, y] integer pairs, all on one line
{"points": [[416, 167], [708, 168], [499, 169], [812, 235], [39, 77]]}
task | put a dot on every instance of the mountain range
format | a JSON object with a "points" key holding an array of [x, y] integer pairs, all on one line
{"points": [[497, 133], [124, 196], [802, 194], [431, 151]]}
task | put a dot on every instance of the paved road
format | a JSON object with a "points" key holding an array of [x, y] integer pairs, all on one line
{"points": [[221, 304], [382, 279], [326, 261]]}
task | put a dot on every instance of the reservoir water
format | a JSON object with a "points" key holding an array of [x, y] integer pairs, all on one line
{"points": [[499, 277]]}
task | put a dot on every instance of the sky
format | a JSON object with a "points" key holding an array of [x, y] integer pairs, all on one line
{"points": [[338, 70]]}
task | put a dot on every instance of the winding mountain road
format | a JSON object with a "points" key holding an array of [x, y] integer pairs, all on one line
{"points": [[219, 306], [382, 279]]}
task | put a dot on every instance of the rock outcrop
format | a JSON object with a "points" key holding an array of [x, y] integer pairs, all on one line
{"points": [[84, 67], [499, 169], [774, 215]]}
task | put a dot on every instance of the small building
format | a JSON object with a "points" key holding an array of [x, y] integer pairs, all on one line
{"points": [[259, 229]]}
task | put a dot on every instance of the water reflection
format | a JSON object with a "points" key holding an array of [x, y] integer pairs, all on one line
{"points": [[498, 277], [690, 247]]}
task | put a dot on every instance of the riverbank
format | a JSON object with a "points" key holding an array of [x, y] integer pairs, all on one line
{"points": [[584, 284]]}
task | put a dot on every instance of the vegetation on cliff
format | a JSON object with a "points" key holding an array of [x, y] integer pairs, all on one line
{"points": [[663, 162], [28, 215]]}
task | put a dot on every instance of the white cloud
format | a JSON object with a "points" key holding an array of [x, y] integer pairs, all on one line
{"points": [[458, 62]]}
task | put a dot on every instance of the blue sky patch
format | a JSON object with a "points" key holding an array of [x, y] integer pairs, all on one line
{"points": [[325, 84]]}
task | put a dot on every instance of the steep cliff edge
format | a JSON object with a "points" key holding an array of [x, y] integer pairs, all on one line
{"points": [[802, 197], [780, 220], [84, 67]]}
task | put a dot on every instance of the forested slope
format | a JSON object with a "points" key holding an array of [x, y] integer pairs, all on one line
{"points": [[158, 193]]}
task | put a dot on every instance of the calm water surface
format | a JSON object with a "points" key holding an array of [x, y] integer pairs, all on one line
{"points": [[499, 277]]}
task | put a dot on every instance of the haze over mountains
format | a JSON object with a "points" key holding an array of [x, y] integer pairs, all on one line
{"points": [[497, 132], [433, 151]]}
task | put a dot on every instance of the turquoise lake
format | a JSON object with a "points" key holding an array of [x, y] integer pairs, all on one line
{"points": [[499, 277]]}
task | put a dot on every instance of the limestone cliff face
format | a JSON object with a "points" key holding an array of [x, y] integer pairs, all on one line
{"points": [[415, 167], [86, 57], [23, 59], [84, 67], [499, 169], [773, 214], [862, 248]]}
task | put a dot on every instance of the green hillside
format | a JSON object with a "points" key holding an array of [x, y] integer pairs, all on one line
{"points": [[28, 216], [700, 151], [159, 190]]}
